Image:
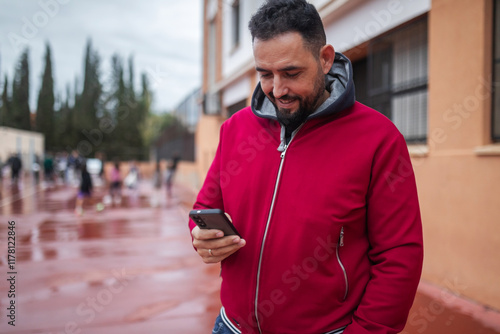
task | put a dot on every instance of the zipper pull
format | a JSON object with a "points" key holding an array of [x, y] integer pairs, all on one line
{"points": [[341, 239], [284, 151]]}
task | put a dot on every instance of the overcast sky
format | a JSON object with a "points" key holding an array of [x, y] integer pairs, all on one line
{"points": [[163, 36]]}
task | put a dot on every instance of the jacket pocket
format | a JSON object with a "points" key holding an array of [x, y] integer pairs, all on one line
{"points": [[340, 244]]}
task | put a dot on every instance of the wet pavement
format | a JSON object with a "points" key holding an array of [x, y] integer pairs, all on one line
{"points": [[130, 268]]}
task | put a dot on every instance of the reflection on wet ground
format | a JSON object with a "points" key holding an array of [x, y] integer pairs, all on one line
{"points": [[68, 231], [125, 267], [130, 268], [442, 312], [24, 198]]}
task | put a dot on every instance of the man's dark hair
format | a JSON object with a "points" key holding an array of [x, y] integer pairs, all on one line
{"points": [[276, 17]]}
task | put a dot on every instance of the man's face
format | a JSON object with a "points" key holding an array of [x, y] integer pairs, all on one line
{"points": [[290, 76]]}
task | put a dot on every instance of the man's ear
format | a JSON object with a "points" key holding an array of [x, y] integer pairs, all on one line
{"points": [[327, 57]]}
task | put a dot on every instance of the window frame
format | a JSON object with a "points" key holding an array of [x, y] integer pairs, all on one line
{"points": [[381, 96], [235, 24], [495, 109]]}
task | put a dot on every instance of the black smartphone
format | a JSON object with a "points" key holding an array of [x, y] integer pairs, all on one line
{"points": [[213, 219]]}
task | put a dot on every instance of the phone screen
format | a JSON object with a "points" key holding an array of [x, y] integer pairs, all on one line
{"points": [[213, 219]]}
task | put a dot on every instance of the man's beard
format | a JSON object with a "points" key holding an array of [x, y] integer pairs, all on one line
{"points": [[292, 120]]}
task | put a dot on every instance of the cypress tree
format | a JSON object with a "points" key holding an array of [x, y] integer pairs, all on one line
{"points": [[118, 145], [21, 115], [130, 88], [5, 110], [144, 108], [45, 107], [146, 97], [133, 121], [88, 105], [64, 129]]}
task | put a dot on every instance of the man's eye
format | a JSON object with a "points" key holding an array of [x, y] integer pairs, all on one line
{"points": [[265, 75], [292, 75]]}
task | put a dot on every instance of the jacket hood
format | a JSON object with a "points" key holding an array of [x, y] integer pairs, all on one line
{"points": [[338, 82]]}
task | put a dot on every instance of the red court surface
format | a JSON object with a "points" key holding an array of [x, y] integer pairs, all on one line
{"points": [[130, 268]]}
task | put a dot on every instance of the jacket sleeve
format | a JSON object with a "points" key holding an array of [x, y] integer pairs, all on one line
{"points": [[396, 246], [210, 195]]}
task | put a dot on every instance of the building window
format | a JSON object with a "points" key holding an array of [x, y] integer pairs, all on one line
{"points": [[235, 24], [234, 108], [495, 121], [212, 103], [359, 74], [397, 78], [212, 52]]}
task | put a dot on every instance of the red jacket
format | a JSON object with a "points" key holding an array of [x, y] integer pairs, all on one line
{"points": [[332, 223]]}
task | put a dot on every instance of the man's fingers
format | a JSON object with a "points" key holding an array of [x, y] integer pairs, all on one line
{"points": [[206, 244], [213, 246], [206, 234], [227, 250], [214, 255]]}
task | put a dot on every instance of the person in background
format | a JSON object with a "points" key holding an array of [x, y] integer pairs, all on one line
{"points": [[48, 169], [157, 183], [132, 179], [157, 176], [115, 184], [16, 166], [171, 170], [71, 168], [61, 166], [85, 190], [36, 170], [101, 157]]}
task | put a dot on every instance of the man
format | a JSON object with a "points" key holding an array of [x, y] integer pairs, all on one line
{"points": [[320, 187], [15, 168], [171, 170]]}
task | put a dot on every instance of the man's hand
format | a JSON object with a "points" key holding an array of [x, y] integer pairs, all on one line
{"points": [[213, 246]]}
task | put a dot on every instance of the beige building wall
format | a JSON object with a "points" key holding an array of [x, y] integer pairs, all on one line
{"points": [[25, 143], [458, 170], [459, 178], [206, 141]]}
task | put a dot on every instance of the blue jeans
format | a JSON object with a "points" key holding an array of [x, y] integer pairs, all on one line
{"points": [[220, 327]]}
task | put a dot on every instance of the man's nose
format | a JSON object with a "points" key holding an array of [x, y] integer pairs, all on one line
{"points": [[279, 88]]}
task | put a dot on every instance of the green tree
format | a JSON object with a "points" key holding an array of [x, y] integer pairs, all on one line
{"points": [[144, 110], [88, 104], [146, 98], [155, 124], [64, 124], [45, 107], [130, 86], [21, 115], [127, 140], [5, 110], [118, 110], [136, 118]]}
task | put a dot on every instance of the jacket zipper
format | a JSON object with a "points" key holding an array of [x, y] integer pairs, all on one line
{"points": [[341, 244], [256, 308]]}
